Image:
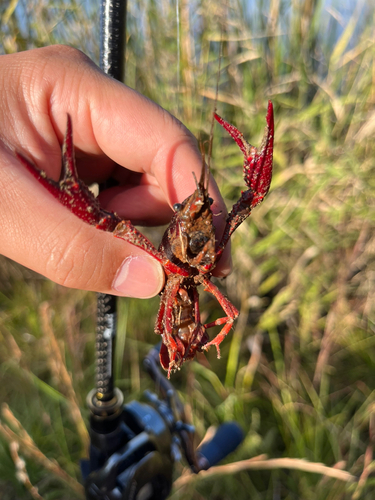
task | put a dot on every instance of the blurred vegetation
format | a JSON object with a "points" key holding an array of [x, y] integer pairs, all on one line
{"points": [[298, 370]]}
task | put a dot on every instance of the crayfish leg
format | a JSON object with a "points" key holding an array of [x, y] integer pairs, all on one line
{"points": [[127, 232], [230, 311], [170, 352]]}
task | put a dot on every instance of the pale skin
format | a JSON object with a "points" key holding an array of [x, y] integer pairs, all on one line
{"points": [[117, 132]]}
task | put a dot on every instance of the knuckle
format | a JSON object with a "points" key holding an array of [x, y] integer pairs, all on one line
{"points": [[65, 52], [49, 66]]}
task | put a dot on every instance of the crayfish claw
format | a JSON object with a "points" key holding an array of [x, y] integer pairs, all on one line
{"points": [[235, 134], [258, 165], [70, 191], [257, 174]]}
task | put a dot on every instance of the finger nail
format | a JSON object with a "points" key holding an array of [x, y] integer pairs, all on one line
{"points": [[140, 277]]}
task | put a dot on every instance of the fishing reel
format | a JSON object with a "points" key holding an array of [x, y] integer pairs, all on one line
{"points": [[134, 446]]}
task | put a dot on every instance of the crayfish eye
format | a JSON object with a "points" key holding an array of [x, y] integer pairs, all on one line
{"points": [[210, 200], [177, 207], [197, 242]]}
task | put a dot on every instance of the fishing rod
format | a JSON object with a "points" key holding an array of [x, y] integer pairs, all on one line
{"points": [[133, 447], [105, 401]]}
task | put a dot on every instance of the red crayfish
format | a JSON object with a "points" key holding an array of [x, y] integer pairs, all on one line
{"points": [[188, 250]]}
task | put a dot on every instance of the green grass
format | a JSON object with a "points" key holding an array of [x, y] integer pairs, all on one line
{"points": [[298, 370]]}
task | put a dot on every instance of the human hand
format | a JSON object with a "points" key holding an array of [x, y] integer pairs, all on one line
{"points": [[117, 133]]}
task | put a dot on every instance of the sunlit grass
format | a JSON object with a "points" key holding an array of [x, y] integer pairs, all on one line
{"points": [[297, 371]]}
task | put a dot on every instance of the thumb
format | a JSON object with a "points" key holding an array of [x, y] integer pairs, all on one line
{"points": [[52, 242]]}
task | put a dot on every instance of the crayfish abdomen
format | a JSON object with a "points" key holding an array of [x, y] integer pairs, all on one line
{"points": [[188, 335]]}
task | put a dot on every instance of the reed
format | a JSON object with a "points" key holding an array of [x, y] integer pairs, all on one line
{"points": [[297, 371]]}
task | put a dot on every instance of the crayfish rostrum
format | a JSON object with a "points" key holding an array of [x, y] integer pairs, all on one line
{"points": [[188, 250]]}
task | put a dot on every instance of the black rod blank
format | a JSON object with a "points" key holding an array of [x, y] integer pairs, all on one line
{"points": [[112, 62]]}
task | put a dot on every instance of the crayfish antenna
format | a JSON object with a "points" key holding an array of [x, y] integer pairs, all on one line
{"points": [[205, 168], [257, 174]]}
